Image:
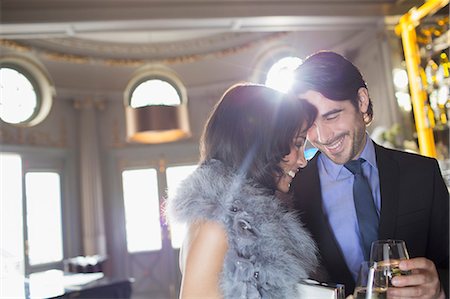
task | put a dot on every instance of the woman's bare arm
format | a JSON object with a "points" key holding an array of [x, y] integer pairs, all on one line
{"points": [[204, 255]]}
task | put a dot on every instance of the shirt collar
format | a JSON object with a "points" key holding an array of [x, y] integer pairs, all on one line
{"points": [[334, 170]]}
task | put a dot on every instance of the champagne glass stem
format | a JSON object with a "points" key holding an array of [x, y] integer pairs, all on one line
{"points": [[370, 283]]}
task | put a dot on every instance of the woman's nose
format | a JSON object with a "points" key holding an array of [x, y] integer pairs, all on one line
{"points": [[301, 160]]}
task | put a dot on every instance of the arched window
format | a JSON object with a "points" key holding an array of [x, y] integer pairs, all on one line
{"points": [[275, 67], [280, 74], [25, 92], [155, 91]]}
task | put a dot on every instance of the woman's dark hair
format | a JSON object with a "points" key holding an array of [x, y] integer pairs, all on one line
{"points": [[252, 128], [333, 76]]}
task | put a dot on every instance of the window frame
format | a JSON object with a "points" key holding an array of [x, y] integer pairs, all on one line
{"points": [[62, 162]]}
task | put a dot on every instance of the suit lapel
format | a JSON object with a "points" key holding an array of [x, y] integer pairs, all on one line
{"points": [[389, 176], [308, 195]]}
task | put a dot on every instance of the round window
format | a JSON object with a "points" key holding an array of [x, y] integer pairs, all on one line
{"points": [[18, 96], [25, 94], [275, 67], [281, 74]]}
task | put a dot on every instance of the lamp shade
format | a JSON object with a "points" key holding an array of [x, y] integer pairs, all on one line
{"points": [[157, 123]]}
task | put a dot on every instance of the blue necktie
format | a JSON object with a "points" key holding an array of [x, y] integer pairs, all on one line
{"points": [[365, 206]]}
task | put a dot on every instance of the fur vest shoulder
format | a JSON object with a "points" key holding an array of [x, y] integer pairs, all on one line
{"points": [[269, 251]]}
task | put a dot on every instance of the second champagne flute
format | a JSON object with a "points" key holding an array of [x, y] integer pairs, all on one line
{"points": [[371, 283]]}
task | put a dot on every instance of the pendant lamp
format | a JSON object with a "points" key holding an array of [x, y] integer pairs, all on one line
{"points": [[156, 108]]}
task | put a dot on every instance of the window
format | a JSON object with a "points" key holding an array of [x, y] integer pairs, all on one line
{"points": [[154, 92], [44, 225], [25, 92], [141, 199], [31, 222], [174, 177], [280, 75], [275, 67], [142, 207], [155, 86], [11, 220], [19, 96]]}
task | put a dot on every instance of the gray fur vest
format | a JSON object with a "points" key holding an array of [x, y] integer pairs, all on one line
{"points": [[269, 251]]}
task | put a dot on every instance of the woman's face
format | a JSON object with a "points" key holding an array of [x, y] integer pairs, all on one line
{"points": [[292, 162]]}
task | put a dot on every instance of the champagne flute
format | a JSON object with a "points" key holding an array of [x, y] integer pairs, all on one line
{"points": [[388, 254], [371, 283]]}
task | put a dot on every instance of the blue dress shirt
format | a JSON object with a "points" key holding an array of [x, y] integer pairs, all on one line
{"points": [[337, 194]]}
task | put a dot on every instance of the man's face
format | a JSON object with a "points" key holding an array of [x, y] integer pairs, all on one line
{"points": [[339, 128]]}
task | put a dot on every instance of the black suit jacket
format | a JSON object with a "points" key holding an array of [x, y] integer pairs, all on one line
{"points": [[414, 208]]}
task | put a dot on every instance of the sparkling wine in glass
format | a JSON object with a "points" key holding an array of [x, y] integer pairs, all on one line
{"points": [[388, 254], [371, 283]]}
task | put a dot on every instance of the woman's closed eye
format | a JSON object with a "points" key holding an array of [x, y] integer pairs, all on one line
{"points": [[299, 142]]}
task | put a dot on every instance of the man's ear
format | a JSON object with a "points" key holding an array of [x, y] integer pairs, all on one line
{"points": [[363, 99]]}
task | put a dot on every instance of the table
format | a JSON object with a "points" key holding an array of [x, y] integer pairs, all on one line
{"points": [[57, 284]]}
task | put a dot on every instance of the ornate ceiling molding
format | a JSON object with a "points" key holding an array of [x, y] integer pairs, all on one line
{"points": [[78, 51], [138, 50]]}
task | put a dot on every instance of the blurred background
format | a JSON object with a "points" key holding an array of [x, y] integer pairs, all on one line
{"points": [[102, 104]]}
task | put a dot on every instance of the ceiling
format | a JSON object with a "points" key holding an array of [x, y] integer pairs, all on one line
{"points": [[137, 29], [91, 47]]}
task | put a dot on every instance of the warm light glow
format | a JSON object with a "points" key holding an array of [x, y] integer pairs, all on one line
{"points": [[157, 124], [18, 99], [443, 95], [154, 92], [404, 100], [400, 78], [155, 137], [281, 74]]}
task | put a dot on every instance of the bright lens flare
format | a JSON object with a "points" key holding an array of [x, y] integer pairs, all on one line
{"points": [[281, 74]]}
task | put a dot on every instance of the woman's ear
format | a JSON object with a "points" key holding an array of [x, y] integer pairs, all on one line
{"points": [[363, 99]]}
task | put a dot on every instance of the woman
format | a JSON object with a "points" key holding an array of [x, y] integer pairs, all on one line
{"points": [[242, 241]]}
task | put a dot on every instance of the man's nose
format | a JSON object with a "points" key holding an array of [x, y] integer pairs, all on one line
{"points": [[321, 132]]}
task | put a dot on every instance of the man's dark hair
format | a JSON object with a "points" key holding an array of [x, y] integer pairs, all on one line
{"points": [[253, 127], [333, 76]]}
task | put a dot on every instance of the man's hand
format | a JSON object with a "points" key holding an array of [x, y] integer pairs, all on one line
{"points": [[423, 282]]}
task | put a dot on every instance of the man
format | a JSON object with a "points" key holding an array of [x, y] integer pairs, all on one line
{"points": [[409, 198]]}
